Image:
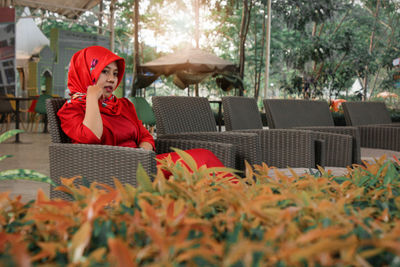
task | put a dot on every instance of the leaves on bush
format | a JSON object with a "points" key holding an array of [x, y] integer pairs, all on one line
{"points": [[204, 219]]}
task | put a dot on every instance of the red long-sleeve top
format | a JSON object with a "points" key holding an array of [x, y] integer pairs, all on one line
{"points": [[124, 129]]}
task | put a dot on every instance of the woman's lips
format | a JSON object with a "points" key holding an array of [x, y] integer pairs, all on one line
{"points": [[108, 88]]}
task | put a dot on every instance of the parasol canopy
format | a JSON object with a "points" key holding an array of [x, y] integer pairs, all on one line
{"points": [[187, 59], [189, 66], [29, 38]]}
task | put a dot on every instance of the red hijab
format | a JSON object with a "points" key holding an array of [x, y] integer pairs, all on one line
{"points": [[84, 70]]}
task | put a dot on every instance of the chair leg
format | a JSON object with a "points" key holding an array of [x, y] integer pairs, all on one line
{"points": [[45, 123], [24, 119], [31, 121], [37, 121], [7, 119]]}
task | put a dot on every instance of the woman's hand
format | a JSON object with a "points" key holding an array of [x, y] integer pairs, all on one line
{"points": [[92, 118], [95, 91], [146, 145]]}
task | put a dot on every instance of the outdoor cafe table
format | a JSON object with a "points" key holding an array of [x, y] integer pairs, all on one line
{"points": [[17, 110]]}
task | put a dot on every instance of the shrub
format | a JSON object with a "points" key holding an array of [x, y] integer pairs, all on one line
{"points": [[202, 219]]}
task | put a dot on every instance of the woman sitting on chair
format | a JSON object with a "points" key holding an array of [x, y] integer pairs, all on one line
{"points": [[95, 116]]}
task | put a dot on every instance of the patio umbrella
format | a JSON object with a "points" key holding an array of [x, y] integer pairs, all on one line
{"points": [[189, 66]]}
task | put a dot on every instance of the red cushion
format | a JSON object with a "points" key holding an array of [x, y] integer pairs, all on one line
{"points": [[200, 155]]}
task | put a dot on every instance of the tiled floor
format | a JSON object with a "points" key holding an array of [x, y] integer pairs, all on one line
{"points": [[31, 153]]}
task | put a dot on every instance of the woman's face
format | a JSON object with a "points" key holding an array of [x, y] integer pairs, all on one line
{"points": [[108, 79]]}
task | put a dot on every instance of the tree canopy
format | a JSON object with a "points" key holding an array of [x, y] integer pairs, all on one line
{"points": [[319, 49]]}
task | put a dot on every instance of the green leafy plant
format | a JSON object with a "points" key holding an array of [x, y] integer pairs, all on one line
{"points": [[202, 218], [20, 174]]}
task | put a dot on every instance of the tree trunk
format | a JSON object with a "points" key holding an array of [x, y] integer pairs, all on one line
{"points": [[267, 49], [135, 46], [244, 27], [112, 32], [100, 17], [371, 46], [258, 70]]}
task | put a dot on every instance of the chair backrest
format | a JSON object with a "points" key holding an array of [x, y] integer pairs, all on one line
{"points": [[56, 133], [288, 113], [179, 114], [144, 110], [363, 113], [241, 113], [5, 106], [41, 104]]}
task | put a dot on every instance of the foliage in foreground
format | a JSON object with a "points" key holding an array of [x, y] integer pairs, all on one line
{"points": [[198, 219]]}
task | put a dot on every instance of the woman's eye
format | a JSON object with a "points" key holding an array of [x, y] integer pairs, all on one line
{"points": [[116, 74], [104, 71]]}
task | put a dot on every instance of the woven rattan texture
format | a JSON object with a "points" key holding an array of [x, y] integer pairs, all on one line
{"points": [[177, 114], [283, 113], [338, 147], [377, 136], [101, 163], [315, 116], [224, 152], [95, 162], [374, 122], [56, 133], [346, 130], [241, 113], [287, 148], [98, 163], [364, 113], [246, 145], [191, 118]]}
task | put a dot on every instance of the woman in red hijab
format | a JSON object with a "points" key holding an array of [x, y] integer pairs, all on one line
{"points": [[95, 116]]}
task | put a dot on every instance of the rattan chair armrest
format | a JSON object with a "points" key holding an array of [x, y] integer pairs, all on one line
{"points": [[284, 148], [338, 148], [225, 152], [349, 130], [378, 136], [394, 124], [247, 145], [98, 163]]}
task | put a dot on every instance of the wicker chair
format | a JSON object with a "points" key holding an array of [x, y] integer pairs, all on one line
{"points": [[342, 143], [280, 147], [102, 162], [375, 125], [241, 113], [191, 117]]}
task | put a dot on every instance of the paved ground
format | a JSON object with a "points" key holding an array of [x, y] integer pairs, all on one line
{"points": [[31, 153]]}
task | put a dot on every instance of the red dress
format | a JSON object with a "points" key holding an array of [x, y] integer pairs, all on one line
{"points": [[124, 129]]}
